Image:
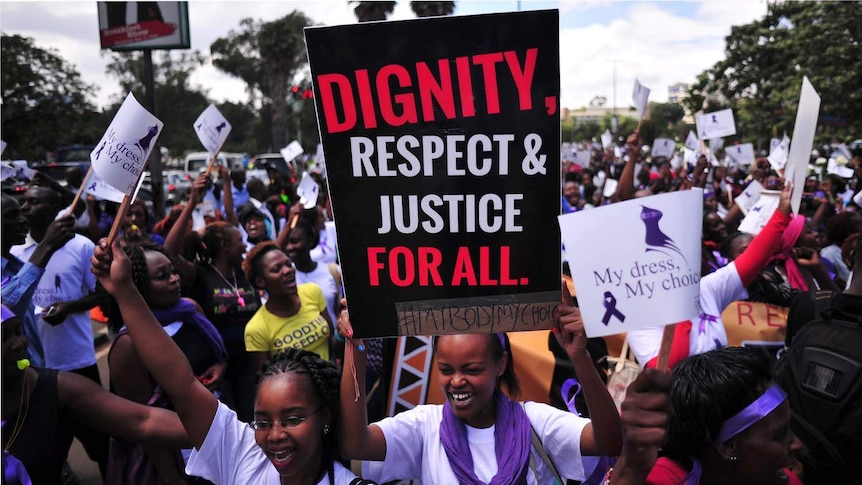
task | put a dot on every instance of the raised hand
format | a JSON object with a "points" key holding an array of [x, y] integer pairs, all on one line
{"points": [[111, 266], [569, 325]]}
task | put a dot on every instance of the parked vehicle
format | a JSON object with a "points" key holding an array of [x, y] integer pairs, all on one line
{"points": [[195, 161]]}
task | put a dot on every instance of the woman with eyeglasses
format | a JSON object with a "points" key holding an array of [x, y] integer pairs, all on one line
{"points": [[292, 437]]}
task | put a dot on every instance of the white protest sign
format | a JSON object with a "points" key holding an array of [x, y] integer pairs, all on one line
{"points": [[716, 144], [663, 147], [2, 146], [773, 142], [581, 157], [121, 154], [640, 97], [642, 270], [610, 187], [803, 140], [689, 156], [291, 151], [749, 196], [676, 161], [778, 155], [7, 171], [23, 169], [618, 152], [607, 139], [691, 141], [307, 191], [717, 124], [843, 150], [212, 129], [97, 187], [760, 212], [836, 168], [742, 154]]}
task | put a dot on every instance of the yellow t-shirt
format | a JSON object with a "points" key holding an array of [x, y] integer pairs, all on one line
{"points": [[307, 330]]}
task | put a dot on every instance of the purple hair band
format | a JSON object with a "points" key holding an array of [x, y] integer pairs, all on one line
{"points": [[754, 412]]}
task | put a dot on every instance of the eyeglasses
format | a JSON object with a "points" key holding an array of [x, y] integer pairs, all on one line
{"points": [[288, 422]]}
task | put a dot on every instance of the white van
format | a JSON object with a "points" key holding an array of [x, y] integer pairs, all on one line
{"points": [[196, 161]]}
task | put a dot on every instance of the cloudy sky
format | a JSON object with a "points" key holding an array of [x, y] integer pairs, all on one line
{"points": [[659, 42]]}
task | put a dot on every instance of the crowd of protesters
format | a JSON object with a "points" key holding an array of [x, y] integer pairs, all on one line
{"points": [[232, 358]]}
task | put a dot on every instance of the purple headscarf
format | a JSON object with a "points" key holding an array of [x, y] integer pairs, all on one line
{"points": [[511, 443]]}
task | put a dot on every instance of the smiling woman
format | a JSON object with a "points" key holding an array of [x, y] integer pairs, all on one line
{"points": [[293, 435], [293, 315], [481, 434]]}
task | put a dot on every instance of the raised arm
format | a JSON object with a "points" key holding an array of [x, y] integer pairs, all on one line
{"points": [[646, 414], [626, 187], [751, 262], [603, 436], [195, 405], [358, 439], [175, 238], [227, 196], [109, 413]]}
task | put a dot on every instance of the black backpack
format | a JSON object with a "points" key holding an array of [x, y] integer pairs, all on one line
{"points": [[821, 371]]}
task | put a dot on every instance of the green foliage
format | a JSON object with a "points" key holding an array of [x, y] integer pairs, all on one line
{"points": [[432, 9], [45, 102], [266, 56], [372, 11], [761, 76]]}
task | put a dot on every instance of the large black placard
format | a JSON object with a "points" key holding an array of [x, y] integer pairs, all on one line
{"points": [[442, 142]]}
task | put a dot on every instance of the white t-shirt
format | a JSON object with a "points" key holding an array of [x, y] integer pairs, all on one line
{"points": [[717, 290], [69, 345], [229, 455], [325, 251], [414, 450], [322, 277]]}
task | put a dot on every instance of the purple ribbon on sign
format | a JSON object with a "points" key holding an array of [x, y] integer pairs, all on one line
{"points": [[610, 303], [754, 412], [704, 318]]}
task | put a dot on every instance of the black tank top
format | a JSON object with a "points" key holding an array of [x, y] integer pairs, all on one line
{"points": [[45, 438], [220, 303]]}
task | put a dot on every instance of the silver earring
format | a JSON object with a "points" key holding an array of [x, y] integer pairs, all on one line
{"points": [[733, 458], [326, 430]]}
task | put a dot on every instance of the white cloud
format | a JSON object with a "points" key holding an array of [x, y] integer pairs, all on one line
{"points": [[648, 40]]}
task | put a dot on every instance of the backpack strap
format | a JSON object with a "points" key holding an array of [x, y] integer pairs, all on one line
{"points": [[824, 307], [537, 444]]}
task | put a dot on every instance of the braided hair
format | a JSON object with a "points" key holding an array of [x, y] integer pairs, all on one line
{"points": [[140, 277], [326, 381]]}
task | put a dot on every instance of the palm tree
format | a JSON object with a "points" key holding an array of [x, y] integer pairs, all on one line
{"points": [[432, 9], [371, 11]]}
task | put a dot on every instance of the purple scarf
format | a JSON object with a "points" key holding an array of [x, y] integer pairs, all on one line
{"points": [[511, 444], [184, 311]]}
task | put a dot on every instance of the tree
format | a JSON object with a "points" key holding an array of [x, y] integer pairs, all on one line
{"points": [[266, 56], [371, 11], [761, 76], [178, 103], [432, 9], [45, 104]]}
